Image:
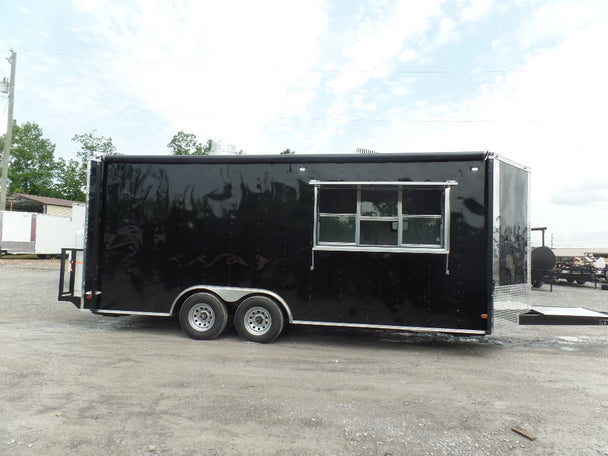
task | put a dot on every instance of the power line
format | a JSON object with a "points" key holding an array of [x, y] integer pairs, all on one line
{"points": [[216, 114], [369, 68]]}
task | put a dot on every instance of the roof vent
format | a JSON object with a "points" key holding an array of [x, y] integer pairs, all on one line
{"points": [[358, 150]]}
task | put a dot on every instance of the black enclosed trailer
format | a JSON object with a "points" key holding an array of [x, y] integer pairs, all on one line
{"points": [[419, 242]]}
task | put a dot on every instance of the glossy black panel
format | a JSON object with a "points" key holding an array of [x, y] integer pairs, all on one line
{"points": [[513, 223], [92, 250], [169, 224]]}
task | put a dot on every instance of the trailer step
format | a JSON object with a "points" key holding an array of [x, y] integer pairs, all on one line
{"points": [[577, 316]]}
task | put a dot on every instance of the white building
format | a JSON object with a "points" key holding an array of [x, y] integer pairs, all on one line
{"points": [[39, 224]]}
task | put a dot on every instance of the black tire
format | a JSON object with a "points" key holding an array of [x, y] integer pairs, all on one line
{"points": [[570, 280], [203, 316], [259, 319], [537, 283], [581, 281]]}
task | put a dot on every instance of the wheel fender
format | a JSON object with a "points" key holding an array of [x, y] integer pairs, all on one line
{"points": [[231, 295]]}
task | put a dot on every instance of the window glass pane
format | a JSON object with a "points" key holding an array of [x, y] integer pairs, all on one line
{"points": [[379, 203], [420, 201], [337, 229], [374, 232], [421, 231], [338, 201]]}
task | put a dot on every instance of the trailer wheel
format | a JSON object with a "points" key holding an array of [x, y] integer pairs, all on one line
{"points": [[203, 316], [258, 319], [581, 281], [537, 283]]}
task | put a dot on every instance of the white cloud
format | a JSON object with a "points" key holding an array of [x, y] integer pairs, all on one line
{"points": [[549, 114], [587, 190], [323, 76], [379, 41], [24, 9], [476, 10], [225, 67], [408, 55], [556, 20], [447, 31]]}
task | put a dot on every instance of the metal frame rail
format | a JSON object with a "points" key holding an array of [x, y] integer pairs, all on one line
{"points": [[68, 256]]}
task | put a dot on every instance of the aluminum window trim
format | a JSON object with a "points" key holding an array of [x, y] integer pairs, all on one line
{"points": [[341, 214], [336, 243], [431, 216], [414, 248], [400, 218], [446, 219], [442, 248], [388, 184], [315, 224], [358, 219], [379, 218]]}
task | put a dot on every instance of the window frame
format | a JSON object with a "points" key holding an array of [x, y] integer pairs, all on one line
{"points": [[442, 248]]}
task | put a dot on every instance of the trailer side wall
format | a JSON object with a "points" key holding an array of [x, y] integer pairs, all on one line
{"points": [[164, 226]]}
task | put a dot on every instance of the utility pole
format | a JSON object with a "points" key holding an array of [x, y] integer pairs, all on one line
{"points": [[9, 131]]}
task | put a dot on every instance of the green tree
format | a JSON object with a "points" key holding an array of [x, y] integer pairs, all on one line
{"points": [[188, 144], [72, 181], [288, 152], [32, 165], [91, 145]]}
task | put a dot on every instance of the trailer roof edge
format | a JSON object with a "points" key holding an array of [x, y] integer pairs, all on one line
{"points": [[301, 158], [508, 161]]}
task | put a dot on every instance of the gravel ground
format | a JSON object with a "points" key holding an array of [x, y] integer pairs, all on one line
{"points": [[76, 383]]}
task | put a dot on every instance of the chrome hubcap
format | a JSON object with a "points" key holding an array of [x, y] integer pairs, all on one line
{"points": [[201, 317], [258, 321]]}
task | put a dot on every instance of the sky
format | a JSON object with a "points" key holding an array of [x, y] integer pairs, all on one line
{"points": [[524, 79]]}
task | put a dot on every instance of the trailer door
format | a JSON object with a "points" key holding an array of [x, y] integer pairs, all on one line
{"points": [[92, 239]]}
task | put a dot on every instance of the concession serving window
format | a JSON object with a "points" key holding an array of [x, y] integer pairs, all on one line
{"points": [[382, 216]]}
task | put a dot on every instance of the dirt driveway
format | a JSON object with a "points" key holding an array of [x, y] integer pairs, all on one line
{"points": [[76, 383]]}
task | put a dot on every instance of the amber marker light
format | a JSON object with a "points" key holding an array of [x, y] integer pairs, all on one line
{"points": [[484, 316]]}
